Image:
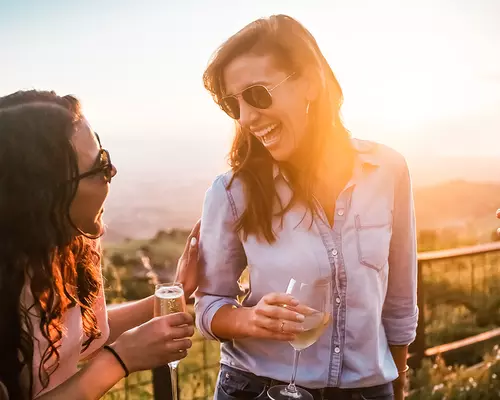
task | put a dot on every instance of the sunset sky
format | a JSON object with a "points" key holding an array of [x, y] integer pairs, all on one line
{"points": [[422, 76]]}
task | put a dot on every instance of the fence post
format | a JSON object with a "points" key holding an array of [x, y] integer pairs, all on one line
{"points": [[418, 347], [162, 383]]}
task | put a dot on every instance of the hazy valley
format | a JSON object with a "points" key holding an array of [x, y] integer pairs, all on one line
{"points": [[449, 192]]}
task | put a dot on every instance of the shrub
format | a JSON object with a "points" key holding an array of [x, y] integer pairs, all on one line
{"points": [[437, 381]]}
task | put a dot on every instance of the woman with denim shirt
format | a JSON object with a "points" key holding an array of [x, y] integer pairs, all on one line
{"points": [[302, 193]]}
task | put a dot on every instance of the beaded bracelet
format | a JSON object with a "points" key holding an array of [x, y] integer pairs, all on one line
{"points": [[118, 359]]}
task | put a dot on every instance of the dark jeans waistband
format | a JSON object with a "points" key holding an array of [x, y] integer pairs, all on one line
{"points": [[382, 392]]}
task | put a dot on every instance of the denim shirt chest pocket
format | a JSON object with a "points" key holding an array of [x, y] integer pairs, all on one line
{"points": [[373, 238]]}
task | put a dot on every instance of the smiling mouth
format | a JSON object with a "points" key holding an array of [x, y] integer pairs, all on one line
{"points": [[269, 135]]}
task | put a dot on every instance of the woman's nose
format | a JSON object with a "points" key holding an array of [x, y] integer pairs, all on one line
{"points": [[248, 115]]}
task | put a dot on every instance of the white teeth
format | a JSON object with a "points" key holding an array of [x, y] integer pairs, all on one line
{"points": [[272, 137], [265, 131], [269, 135]]}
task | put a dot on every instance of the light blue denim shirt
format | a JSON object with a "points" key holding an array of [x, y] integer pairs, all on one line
{"points": [[370, 253]]}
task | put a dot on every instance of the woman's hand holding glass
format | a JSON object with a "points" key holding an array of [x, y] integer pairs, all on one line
{"points": [[277, 316], [316, 301], [157, 342]]}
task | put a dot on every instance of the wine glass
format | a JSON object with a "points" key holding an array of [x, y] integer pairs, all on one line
{"points": [[317, 297], [169, 299]]}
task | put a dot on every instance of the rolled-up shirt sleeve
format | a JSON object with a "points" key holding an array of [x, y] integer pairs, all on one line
{"points": [[400, 310], [222, 257]]}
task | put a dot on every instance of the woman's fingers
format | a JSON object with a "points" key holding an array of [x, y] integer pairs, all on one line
{"points": [[279, 313], [281, 299], [279, 316], [272, 330], [284, 326]]}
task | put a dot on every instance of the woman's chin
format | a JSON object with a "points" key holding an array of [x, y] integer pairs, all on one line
{"points": [[94, 229], [99, 226], [281, 154]]}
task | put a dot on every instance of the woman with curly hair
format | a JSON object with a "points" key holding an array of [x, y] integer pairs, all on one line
{"points": [[54, 179]]}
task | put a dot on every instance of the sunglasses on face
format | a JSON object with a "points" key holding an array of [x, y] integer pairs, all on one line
{"points": [[258, 96], [104, 165]]}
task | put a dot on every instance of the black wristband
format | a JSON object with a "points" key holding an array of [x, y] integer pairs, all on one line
{"points": [[118, 358]]}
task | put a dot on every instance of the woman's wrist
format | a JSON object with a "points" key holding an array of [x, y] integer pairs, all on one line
{"points": [[231, 322], [404, 370], [105, 360], [400, 381], [118, 358], [243, 315]]}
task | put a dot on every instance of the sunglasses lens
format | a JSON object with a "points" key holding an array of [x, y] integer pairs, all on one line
{"points": [[258, 97], [231, 107]]}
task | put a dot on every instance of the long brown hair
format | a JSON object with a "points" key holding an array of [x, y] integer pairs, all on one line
{"points": [[37, 241], [294, 50]]}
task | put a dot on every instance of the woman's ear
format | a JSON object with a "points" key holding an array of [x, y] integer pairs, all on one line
{"points": [[312, 84]]}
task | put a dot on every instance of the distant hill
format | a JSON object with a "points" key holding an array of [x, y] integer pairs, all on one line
{"points": [[141, 209], [432, 170], [459, 204], [155, 192]]}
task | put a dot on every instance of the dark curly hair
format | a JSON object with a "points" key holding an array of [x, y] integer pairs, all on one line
{"points": [[39, 249]]}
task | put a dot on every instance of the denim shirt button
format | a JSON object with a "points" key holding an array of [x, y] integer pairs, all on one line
{"points": [[335, 252], [337, 300], [337, 350], [340, 212]]}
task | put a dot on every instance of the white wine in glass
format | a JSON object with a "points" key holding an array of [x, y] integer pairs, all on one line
{"points": [[169, 299], [317, 297], [314, 326]]}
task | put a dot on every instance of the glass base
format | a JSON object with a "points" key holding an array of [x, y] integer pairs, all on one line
{"points": [[281, 392]]}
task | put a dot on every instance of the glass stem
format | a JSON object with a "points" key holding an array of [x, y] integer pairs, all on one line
{"points": [[173, 377], [291, 387]]}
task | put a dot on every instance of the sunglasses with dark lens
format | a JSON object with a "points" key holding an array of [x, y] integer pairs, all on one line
{"points": [[258, 96], [104, 165]]}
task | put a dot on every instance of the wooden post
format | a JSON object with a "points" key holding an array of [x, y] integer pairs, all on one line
{"points": [[418, 347], [162, 383]]}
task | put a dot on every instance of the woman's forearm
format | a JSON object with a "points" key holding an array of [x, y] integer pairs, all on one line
{"points": [[91, 382], [399, 354], [123, 317], [229, 322]]}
